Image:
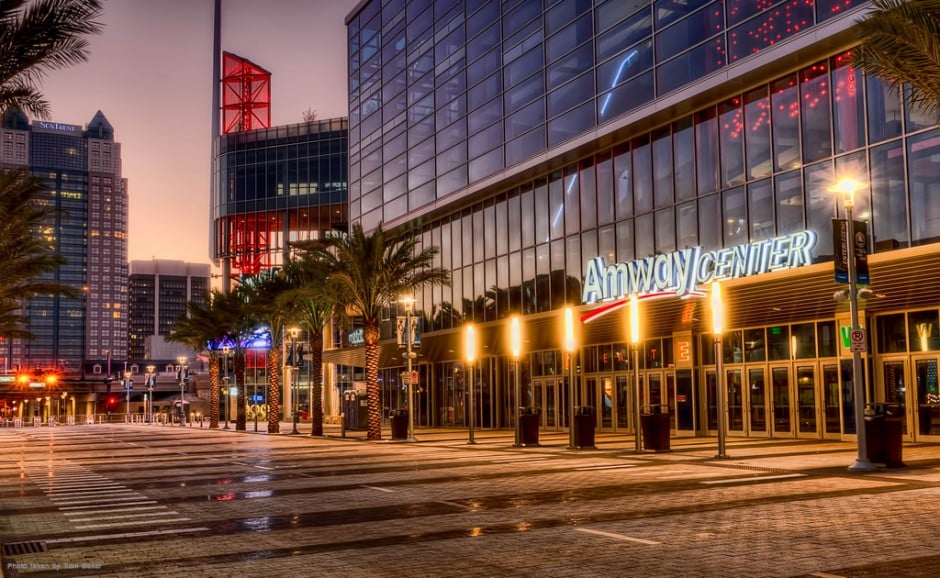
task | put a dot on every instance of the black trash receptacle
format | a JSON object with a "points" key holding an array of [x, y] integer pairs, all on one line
{"points": [[874, 438], [529, 426], [584, 424], [893, 431], [654, 423], [399, 420]]}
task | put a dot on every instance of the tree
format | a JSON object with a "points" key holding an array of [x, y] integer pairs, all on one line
{"points": [[240, 326], [26, 257], [368, 272], [37, 36], [203, 328], [900, 42], [314, 302], [263, 294]]}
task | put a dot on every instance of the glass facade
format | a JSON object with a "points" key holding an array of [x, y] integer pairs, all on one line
{"points": [[277, 185], [444, 94]]}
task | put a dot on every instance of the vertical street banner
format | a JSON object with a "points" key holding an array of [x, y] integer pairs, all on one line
{"points": [[840, 240]]}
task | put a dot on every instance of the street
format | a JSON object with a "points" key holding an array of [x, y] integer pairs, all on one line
{"points": [[147, 500]]}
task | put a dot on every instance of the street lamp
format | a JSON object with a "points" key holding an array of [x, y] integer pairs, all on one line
{"points": [[409, 304], [569, 348], [717, 329], [151, 382], [290, 382], [182, 361], [635, 343], [225, 399], [127, 396], [515, 342], [470, 354], [848, 187]]}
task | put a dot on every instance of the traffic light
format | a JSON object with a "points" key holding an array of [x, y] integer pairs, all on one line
{"points": [[112, 401]]}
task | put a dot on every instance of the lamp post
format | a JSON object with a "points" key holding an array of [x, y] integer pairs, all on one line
{"points": [[225, 399], [470, 353], [717, 329], [127, 396], [515, 342], [151, 382], [409, 304], [569, 348], [635, 344], [848, 187], [290, 383], [182, 361]]}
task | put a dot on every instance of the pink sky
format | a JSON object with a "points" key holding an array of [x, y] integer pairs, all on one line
{"points": [[149, 73]]}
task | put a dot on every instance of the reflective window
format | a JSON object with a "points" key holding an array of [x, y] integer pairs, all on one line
{"points": [[731, 137], [540, 198], [687, 225], [665, 228], [785, 103], [624, 66], [663, 168], [923, 330], [625, 97], [644, 236], [572, 200], [735, 217], [757, 139], [887, 190], [528, 226], [478, 45], [789, 200], [668, 11], [588, 195], [623, 181], [917, 117], [623, 33], [891, 333], [564, 12], [556, 200], [605, 189], [826, 9], [571, 94], [923, 165], [814, 93], [483, 142], [513, 223], [689, 31], [642, 175], [522, 67], [526, 118], [570, 66], [526, 146], [848, 115], [571, 123], [683, 143], [709, 213], [820, 204], [767, 29], [524, 93], [575, 34], [625, 250], [760, 200], [884, 110], [706, 143]]}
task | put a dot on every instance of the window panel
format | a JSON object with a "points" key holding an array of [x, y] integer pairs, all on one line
{"points": [[605, 189], [571, 123], [709, 213], [644, 236], [761, 204], [923, 165], [663, 190], [789, 196], [625, 243], [820, 205], [642, 175], [665, 228], [889, 223], [757, 134], [884, 110], [731, 139], [848, 114], [816, 114], [575, 34], [734, 212], [689, 31], [625, 97], [623, 181], [785, 103], [687, 225]]}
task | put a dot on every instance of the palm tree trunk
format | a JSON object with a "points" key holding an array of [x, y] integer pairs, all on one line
{"points": [[213, 391], [238, 367], [373, 393], [316, 363], [274, 389]]}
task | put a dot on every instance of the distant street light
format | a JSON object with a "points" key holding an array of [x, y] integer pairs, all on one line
{"points": [[151, 381], [294, 332], [409, 304], [515, 342], [182, 375], [127, 396], [722, 392], [635, 344], [470, 354], [570, 346]]}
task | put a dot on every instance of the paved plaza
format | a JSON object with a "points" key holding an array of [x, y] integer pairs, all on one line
{"points": [[146, 500]]}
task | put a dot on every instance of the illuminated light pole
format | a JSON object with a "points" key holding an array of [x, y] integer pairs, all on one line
{"points": [[225, 404], [717, 329], [635, 343], [409, 342], [127, 396], [151, 382], [515, 343], [182, 361], [848, 187], [470, 354], [290, 382], [569, 348]]}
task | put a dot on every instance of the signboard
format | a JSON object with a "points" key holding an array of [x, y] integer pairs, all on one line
{"points": [[858, 341], [412, 381], [414, 336], [841, 258]]}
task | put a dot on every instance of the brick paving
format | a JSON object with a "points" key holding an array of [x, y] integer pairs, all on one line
{"points": [[143, 500]]}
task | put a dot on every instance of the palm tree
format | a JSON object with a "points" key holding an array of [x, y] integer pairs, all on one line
{"points": [[263, 292], [900, 42], [203, 328], [37, 36], [27, 257], [314, 303], [239, 326], [368, 273]]}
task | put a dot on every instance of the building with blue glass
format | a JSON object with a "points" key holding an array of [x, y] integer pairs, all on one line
{"points": [[577, 152]]}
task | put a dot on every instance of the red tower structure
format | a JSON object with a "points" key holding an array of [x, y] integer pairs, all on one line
{"points": [[246, 94]]}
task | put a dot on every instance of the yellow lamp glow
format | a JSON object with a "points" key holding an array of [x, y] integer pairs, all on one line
{"points": [[515, 336], [717, 312]]}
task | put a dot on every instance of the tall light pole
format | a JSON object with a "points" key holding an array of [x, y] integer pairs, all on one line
{"points": [[569, 348], [515, 343], [225, 400], [409, 304], [848, 187], [470, 354], [151, 382], [717, 329], [290, 383], [182, 361], [127, 395], [635, 344]]}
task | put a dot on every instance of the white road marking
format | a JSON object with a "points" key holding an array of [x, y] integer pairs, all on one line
{"points": [[103, 493], [617, 536], [379, 489], [87, 507], [824, 575], [456, 505], [125, 535], [133, 523], [755, 479], [85, 511], [613, 467], [104, 500], [122, 516]]}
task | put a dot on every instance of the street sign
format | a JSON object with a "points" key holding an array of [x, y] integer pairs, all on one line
{"points": [[858, 342]]}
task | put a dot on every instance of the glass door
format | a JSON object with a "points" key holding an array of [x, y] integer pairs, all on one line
{"points": [[927, 399], [606, 402], [758, 402], [832, 411], [624, 405], [807, 410], [897, 393], [736, 402], [782, 423]]}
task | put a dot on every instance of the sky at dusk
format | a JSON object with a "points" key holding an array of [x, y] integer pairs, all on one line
{"points": [[150, 73]]}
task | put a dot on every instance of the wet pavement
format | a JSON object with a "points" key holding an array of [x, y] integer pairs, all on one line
{"points": [[146, 500]]}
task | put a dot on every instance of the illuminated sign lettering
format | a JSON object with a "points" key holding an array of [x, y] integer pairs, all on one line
{"points": [[58, 127], [681, 273]]}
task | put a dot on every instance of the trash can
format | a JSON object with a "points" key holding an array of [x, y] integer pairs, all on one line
{"points": [[884, 432], [529, 426], [399, 419], [584, 423], [654, 424], [355, 411]]}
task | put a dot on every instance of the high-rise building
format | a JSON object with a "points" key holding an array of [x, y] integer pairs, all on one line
{"points": [[159, 292], [575, 153], [82, 172]]}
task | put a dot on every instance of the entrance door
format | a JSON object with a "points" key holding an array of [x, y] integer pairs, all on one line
{"points": [[605, 402], [832, 410], [928, 398], [736, 397], [807, 409], [896, 391], [781, 424], [623, 405], [758, 402]]}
